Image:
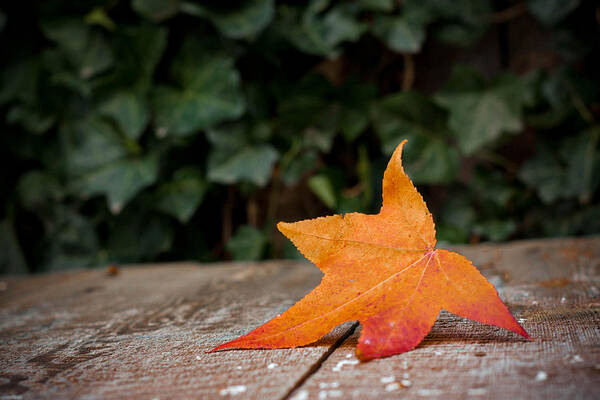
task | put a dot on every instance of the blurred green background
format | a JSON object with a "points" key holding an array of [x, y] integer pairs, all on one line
{"points": [[147, 130]]}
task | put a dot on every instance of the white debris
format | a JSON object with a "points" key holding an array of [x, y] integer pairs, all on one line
{"points": [[541, 376], [340, 364], [437, 353], [324, 394], [405, 383], [233, 390], [577, 358], [521, 320], [325, 385], [301, 395], [563, 300], [429, 392], [477, 392], [349, 355], [198, 358], [405, 375], [238, 367], [272, 365], [387, 379], [390, 387]]}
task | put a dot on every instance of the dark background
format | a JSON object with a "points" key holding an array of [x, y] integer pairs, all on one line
{"points": [[145, 130]]}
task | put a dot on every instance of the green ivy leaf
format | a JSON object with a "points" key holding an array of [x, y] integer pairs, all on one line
{"points": [[412, 116], [479, 117], [460, 22], [156, 10], [545, 174], [242, 21], [84, 46], [323, 188], [551, 12], [182, 195], [129, 110], [208, 92], [319, 32], [38, 189], [248, 244], [252, 164], [119, 181], [298, 167], [399, 33], [138, 236]]}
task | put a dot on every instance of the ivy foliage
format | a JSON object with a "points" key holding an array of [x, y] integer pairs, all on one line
{"points": [[149, 130]]}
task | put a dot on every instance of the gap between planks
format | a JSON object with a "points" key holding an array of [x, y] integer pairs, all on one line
{"points": [[317, 365]]}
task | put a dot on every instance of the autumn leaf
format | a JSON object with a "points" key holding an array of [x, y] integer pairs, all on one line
{"points": [[384, 271]]}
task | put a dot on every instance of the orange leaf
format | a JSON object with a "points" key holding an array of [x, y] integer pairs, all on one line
{"points": [[384, 271]]}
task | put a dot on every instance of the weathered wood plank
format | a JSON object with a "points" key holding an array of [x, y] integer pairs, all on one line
{"points": [[551, 286], [144, 333]]}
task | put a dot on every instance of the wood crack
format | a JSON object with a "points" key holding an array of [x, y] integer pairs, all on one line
{"points": [[317, 365]]}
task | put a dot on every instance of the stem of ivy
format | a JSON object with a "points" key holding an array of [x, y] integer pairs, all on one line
{"points": [[498, 160]]}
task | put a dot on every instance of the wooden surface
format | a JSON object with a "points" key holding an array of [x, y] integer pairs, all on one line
{"points": [[144, 333]]}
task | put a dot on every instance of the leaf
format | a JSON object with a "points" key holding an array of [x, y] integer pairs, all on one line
{"points": [[238, 22], [252, 164], [480, 116], [156, 10], [129, 110], [120, 181], [248, 243], [460, 22], [320, 30], [400, 33], [550, 12], [322, 187], [413, 116], [384, 271], [239, 154], [208, 92], [85, 47], [137, 236], [182, 196]]}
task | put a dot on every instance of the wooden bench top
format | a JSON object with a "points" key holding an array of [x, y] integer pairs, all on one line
{"points": [[144, 333]]}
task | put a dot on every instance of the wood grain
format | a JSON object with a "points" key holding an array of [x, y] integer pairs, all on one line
{"points": [[144, 333]]}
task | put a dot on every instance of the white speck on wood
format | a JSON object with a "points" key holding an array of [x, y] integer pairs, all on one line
{"points": [[387, 379], [198, 358], [390, 387], [301, 395], [405, 383], [437, 353], [429, 392], [272, 365], [563, 300], [340, 364], [233, 390], [406, 375], [541, 376], [577, 358], [349, 355], [477, 392]]}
